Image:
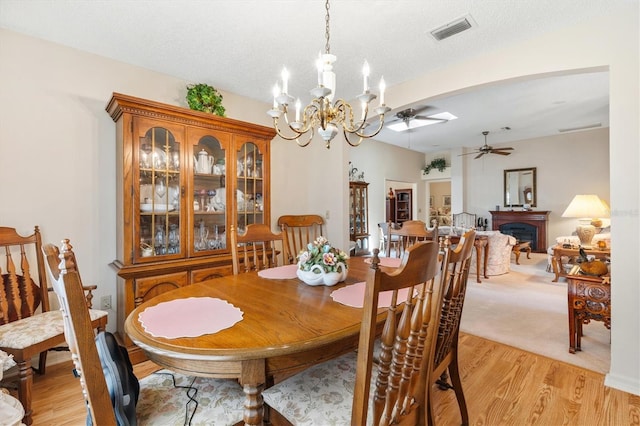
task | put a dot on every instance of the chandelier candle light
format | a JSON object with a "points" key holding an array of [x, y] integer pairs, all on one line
{"points": [[322, 112]]}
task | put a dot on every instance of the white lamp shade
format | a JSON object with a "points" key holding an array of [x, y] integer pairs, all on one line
{"points": [[587, 206], [584, 207]]}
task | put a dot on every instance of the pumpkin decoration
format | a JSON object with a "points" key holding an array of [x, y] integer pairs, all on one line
{"points": [[594, 267]]}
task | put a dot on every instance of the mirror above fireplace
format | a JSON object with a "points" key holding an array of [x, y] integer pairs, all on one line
{"points": [[520, 187]]}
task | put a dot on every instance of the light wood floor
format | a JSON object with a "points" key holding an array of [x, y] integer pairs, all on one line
{"points": [[503, 386]]}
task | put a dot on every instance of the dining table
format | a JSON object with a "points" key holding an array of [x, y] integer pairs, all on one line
{"points": [[282, 326]]}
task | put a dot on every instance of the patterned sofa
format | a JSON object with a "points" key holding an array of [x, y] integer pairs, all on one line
{"points": [[500, 247]]}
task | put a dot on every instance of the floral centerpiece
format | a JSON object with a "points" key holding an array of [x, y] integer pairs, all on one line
{"points": [[322, 264]]}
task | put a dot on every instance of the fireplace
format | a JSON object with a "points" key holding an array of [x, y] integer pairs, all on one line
{"points": [[529, 225], [523, 232]]}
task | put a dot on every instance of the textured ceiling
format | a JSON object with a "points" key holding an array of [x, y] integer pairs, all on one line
{"points": [[240, 46]]}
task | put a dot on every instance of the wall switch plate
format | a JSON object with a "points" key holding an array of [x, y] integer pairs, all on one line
{"points": [[105, 303]]}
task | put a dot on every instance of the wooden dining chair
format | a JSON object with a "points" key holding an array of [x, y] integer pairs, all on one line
{"points": [[350, 389], [411, 232], [162, 398], [255, 249], [298, 231], [455, 272], [27, 325]]}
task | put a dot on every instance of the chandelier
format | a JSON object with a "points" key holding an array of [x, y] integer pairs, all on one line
{"points": [[322, 113]]}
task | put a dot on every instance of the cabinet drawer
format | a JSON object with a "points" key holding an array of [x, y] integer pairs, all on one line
{"points": [[149, 287], [199, 275]]}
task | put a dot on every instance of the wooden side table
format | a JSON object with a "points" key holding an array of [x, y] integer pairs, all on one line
{"points": [[481, 244], [589, 298], [559, 252], [520, 247]]}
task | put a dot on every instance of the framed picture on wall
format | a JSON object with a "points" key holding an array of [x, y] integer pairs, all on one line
{"points": [[446, 200], [431, 201]]}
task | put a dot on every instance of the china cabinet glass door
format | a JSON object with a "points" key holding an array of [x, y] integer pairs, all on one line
{"points": [[158, 210], [250, 185], [209, 191]]}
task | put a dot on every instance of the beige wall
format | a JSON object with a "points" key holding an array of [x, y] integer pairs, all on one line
{"points": [[57, 150]]}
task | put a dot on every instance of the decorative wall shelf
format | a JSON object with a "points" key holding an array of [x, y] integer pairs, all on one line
{"points": [[435, 174]]}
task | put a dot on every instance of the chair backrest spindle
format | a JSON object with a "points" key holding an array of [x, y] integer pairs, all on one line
{"points": [[297, 232]]}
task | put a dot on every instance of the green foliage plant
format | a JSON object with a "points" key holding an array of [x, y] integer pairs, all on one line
{"points": [[436, 163], [202, 97]]}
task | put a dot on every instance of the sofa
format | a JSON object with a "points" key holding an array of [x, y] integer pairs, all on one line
{"points": [[500, 248]]}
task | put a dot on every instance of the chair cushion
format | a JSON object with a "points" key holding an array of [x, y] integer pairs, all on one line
{"points": [[320, 395], [28, 331]]}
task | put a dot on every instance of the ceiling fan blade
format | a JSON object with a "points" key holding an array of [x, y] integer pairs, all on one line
{"points": [[424, 117], [478, 156], [493, 151], [504, 149]]}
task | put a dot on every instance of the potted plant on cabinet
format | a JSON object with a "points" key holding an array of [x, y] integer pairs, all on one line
{"points": [[202, 97]]}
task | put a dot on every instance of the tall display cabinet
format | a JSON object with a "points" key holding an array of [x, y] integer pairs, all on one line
{"points": [[183, 178], [359, 213]]}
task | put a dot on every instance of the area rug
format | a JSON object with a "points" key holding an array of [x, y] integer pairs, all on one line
{"points": [[526, 310]]}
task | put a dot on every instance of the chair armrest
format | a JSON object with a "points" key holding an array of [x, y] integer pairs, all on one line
{"points": [[88, 296]]}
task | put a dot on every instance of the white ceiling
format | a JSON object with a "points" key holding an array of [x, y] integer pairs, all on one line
{"points": [[240, 46]]}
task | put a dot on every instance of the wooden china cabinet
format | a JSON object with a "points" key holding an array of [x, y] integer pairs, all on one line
{"points": [[359, 213], [403, 205], [183, 178]]}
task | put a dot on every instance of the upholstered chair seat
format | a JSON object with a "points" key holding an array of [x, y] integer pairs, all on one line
{"points": [[31, 330]]}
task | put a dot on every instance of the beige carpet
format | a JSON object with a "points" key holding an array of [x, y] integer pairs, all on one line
{"points": [[525, 309]]}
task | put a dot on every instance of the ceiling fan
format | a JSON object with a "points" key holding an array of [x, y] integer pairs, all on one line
{"points": [[409, 114], [486, 149]]}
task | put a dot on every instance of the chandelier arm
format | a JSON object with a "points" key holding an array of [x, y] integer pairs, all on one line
{"points": [[346, 137], [302, 128], [350, 125], [302, 145], [282, 135], [380, 125]]}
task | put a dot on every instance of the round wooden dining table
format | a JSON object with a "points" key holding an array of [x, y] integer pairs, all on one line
{"points": [[286, 326]]}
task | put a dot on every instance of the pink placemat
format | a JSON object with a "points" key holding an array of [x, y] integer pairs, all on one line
{"points": [[189, 317], [389, 262], [353, 295], [285, 272]]}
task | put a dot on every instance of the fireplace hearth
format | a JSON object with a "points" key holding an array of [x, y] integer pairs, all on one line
{"points": [[523, 232]]}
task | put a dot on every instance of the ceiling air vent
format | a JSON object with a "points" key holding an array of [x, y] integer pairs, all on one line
{"points": [[453, 28]]}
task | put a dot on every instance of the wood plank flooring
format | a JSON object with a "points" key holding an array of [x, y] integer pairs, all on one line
{"points": [[503, 386]]}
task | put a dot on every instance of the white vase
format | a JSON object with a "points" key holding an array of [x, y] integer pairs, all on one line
{"points": [[317, 276]]}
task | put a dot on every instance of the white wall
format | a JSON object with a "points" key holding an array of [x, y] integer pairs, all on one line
{"points": [[57, 150]]}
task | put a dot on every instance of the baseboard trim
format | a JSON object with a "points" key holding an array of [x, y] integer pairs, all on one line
{"points": [[622, 383]]}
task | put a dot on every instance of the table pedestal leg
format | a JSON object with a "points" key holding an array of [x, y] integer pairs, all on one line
{"points": [[252, 381]]}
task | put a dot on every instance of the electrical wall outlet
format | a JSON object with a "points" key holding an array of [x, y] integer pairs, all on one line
{"points": [[105, 303]]}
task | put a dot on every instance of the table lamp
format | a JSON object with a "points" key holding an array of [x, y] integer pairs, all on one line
{"points": [[588, 209]]}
